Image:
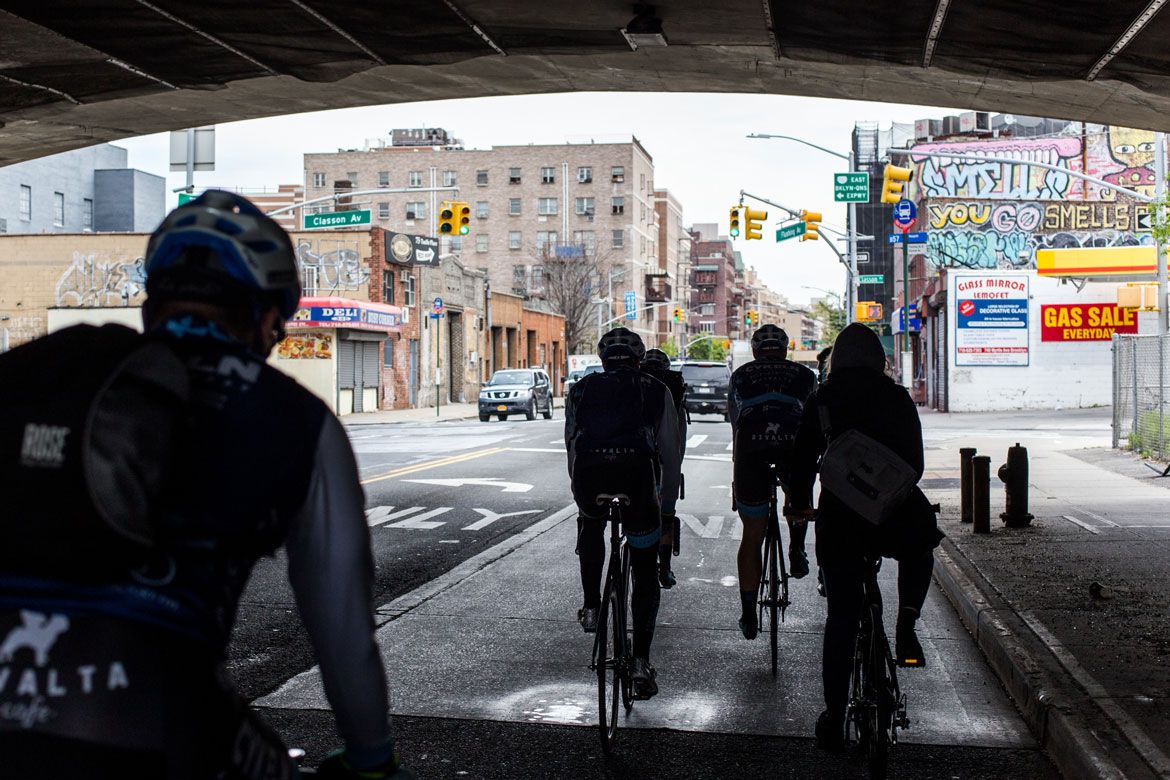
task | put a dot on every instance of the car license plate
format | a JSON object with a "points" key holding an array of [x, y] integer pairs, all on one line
{"points": [[501, 408], [702, 390]]}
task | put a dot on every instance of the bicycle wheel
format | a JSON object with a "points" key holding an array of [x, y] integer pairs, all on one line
{"points": [[622, 653], [877, 752], [606, 664], [772, 550]]}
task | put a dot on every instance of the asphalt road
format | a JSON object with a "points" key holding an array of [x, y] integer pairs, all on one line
{"points": [[488, 677]]}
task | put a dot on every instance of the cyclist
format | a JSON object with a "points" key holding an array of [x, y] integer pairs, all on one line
{"points": [[657, 364], [260, 463], [859, 396], [622, 437], [765, 401]]}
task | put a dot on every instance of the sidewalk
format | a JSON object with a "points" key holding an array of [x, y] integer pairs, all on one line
{"points": [[1088, 673], [426, 414]]}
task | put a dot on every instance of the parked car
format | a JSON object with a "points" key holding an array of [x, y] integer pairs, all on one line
{"points": [[575, 376], [516, 391], [707, 383]]}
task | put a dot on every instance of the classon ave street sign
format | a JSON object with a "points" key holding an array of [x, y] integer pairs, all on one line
{"points": [[871, 279], [790, 231], [851, 187], [337, 219]]}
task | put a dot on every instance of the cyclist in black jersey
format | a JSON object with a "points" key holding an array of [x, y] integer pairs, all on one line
{"points": [[136, 655], [765, 401], [622, 437], [657, 364]]}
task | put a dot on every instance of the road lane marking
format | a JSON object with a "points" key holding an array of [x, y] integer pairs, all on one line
{"points": [[434, 464], [557, 441], [561, 450], [728, 447], [422, 521], [1098, 517], [508, 487], [720, 458], [709, 530], [1090, 528], [490, 517], [696, 440], [376, 517]]}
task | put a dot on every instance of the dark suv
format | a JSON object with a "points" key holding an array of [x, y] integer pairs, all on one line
{"points": [[707, 383], [516, 391]]}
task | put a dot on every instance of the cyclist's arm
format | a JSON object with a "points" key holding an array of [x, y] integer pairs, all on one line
{"points": [[911, 429], [669, 452], [331, 570], [570, 428], [732, 404], [806, 450]]}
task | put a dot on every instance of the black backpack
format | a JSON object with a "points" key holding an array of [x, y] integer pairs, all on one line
{"points": [[771, 398], [612, 422], [91, 418]]}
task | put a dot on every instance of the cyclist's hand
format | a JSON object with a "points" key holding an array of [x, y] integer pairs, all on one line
{"points": [[799, 515], [337, 767]]}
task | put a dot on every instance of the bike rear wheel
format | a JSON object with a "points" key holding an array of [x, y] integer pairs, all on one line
{"points": [[772, 562], [607, 665]]}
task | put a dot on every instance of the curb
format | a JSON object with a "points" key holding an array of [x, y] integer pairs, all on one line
{"points": [[1066, 721]]}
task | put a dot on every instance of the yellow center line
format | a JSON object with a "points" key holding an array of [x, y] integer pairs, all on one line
{"points": [[434, 464]]}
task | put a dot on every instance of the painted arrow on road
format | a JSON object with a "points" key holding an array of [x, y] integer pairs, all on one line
{"points": [[508, 487]]}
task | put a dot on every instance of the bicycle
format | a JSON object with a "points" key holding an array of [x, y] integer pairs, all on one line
{"points": [[614, 604], [773, 594], [877, 706]]}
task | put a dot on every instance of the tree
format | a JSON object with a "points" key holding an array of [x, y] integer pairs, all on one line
{"points": [[570, 277], [707, 349], [670, 348], [831, 315]]}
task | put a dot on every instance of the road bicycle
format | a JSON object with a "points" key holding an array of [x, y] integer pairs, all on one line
{"points": [[614, 669], [773, 596], [877, 706]]}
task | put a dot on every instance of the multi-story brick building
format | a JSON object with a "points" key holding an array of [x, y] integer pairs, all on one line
{"points": [[283, 196], [713, 281], [667, 283], [525, 201]]}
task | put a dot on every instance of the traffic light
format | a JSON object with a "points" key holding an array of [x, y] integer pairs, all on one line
{"points": [[447, 221], [753, 226], [735, 222], [812, 225], [463, 213], [894, 180], [679, 315]]}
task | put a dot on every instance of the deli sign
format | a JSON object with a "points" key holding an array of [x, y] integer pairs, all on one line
{"points": [[1085, 321]]}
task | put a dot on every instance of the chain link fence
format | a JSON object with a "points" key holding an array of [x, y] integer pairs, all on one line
{"points": [[1140, 394]]}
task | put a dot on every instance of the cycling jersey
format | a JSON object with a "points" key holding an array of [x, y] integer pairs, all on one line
{"points": [[262, 463]]}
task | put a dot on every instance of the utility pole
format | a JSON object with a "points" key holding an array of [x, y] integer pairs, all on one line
{"points": [[1159, 219]]}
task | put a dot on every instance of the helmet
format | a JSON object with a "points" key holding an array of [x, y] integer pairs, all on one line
{"points": [[621, 345], [220, 247], [656, 358], [769, 338]]}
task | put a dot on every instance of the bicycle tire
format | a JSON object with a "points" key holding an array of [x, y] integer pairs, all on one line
{"points": [[774, 591], [607, 695], [877, 754], [624, 654]]}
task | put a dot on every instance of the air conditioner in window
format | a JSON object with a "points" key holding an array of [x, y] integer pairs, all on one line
{"points": [[583, 177], [404, 276]]}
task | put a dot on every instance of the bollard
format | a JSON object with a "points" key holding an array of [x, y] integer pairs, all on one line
{"points": [[1014, 475], [981, 493], [965, 455]]}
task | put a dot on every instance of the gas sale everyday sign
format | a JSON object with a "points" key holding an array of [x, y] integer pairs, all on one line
{"points": [[1085, 321]]}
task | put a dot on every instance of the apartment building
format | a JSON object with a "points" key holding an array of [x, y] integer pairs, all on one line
{"points": [[713, 306], [528, 203], [285, 195], [666, 285]]}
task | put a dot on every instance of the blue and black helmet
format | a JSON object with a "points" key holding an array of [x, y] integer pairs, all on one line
{"points": [[621, 345]]}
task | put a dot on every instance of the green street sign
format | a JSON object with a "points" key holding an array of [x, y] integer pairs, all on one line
{"points": [[872, 279], [790, 231], [851, 187], [337, 219], [186, 197]]}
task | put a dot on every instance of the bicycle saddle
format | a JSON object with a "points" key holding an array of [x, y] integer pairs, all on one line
{"points": [[621, 499]]}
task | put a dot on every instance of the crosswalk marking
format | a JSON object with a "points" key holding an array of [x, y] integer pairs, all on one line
{"points": [[696, 440], [728, 447]]}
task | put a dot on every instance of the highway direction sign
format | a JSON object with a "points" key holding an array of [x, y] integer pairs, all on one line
{"points": [[851, 187]]}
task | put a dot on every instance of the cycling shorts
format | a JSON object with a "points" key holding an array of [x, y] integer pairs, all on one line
{"points": [[642, 519], [752, 482]]}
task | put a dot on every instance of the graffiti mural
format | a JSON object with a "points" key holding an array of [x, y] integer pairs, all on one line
{"points": [[1132, 151], [328, 266], [89, 282], [938, 177]]}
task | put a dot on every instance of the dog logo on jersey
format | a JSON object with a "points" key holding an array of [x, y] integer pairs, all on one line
{"points": [[39, 632]]}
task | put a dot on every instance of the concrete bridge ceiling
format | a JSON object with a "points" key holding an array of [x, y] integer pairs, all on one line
{"points": [[77, 72]]}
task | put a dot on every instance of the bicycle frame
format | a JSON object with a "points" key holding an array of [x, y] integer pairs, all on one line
{"points": [[614, 606]]}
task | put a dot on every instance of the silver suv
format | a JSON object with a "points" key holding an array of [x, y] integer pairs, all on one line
{"points": [[516, 391]]}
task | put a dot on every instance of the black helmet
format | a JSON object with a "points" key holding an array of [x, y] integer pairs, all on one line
{"points": [[656, 358], [769, 338], [621, 345], [220, 247]]}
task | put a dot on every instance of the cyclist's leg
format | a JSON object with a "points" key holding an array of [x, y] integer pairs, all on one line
{"points": [[844, 589], [752, 494], [913, 583], [797, 533], [590, 542], [643, 524]]}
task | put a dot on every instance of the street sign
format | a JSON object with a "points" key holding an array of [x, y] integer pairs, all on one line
{"points": [[872, 279], [186, 197], [337, 219], [790, 231], [905, 213], [851, 187], [631, 305], [437, 305], [863, 258], [911, 238]]}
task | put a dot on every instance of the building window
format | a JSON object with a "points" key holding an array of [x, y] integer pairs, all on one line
{"points": [[618, 205], [414, 179], [408, 291], [585, 206], [58, 209], [481, 178], [318, 180], [537, 283], [25, 202], [617, 173], [383, 211], [456, 243], [513, 175], [388, 353], [481, 209], [619, 239], [481, 242], [519, 276], [448, 178], [548, 175], [352, 178], [586, 239], [707, 327], [546, 238], [515, 239], [388, 286], [383, 178], [546, 207], [585, 175], [416, 209], [641, 181], [513, 207], [707, 308], [86, 214]]}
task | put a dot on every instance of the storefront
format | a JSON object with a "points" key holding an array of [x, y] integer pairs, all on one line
{"points": [[334, 348]]}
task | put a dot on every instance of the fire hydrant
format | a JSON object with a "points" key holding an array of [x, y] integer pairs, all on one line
{"points": [[1014, 475]]}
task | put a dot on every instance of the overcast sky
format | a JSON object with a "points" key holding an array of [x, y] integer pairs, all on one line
{"points": [[697, 141]]}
